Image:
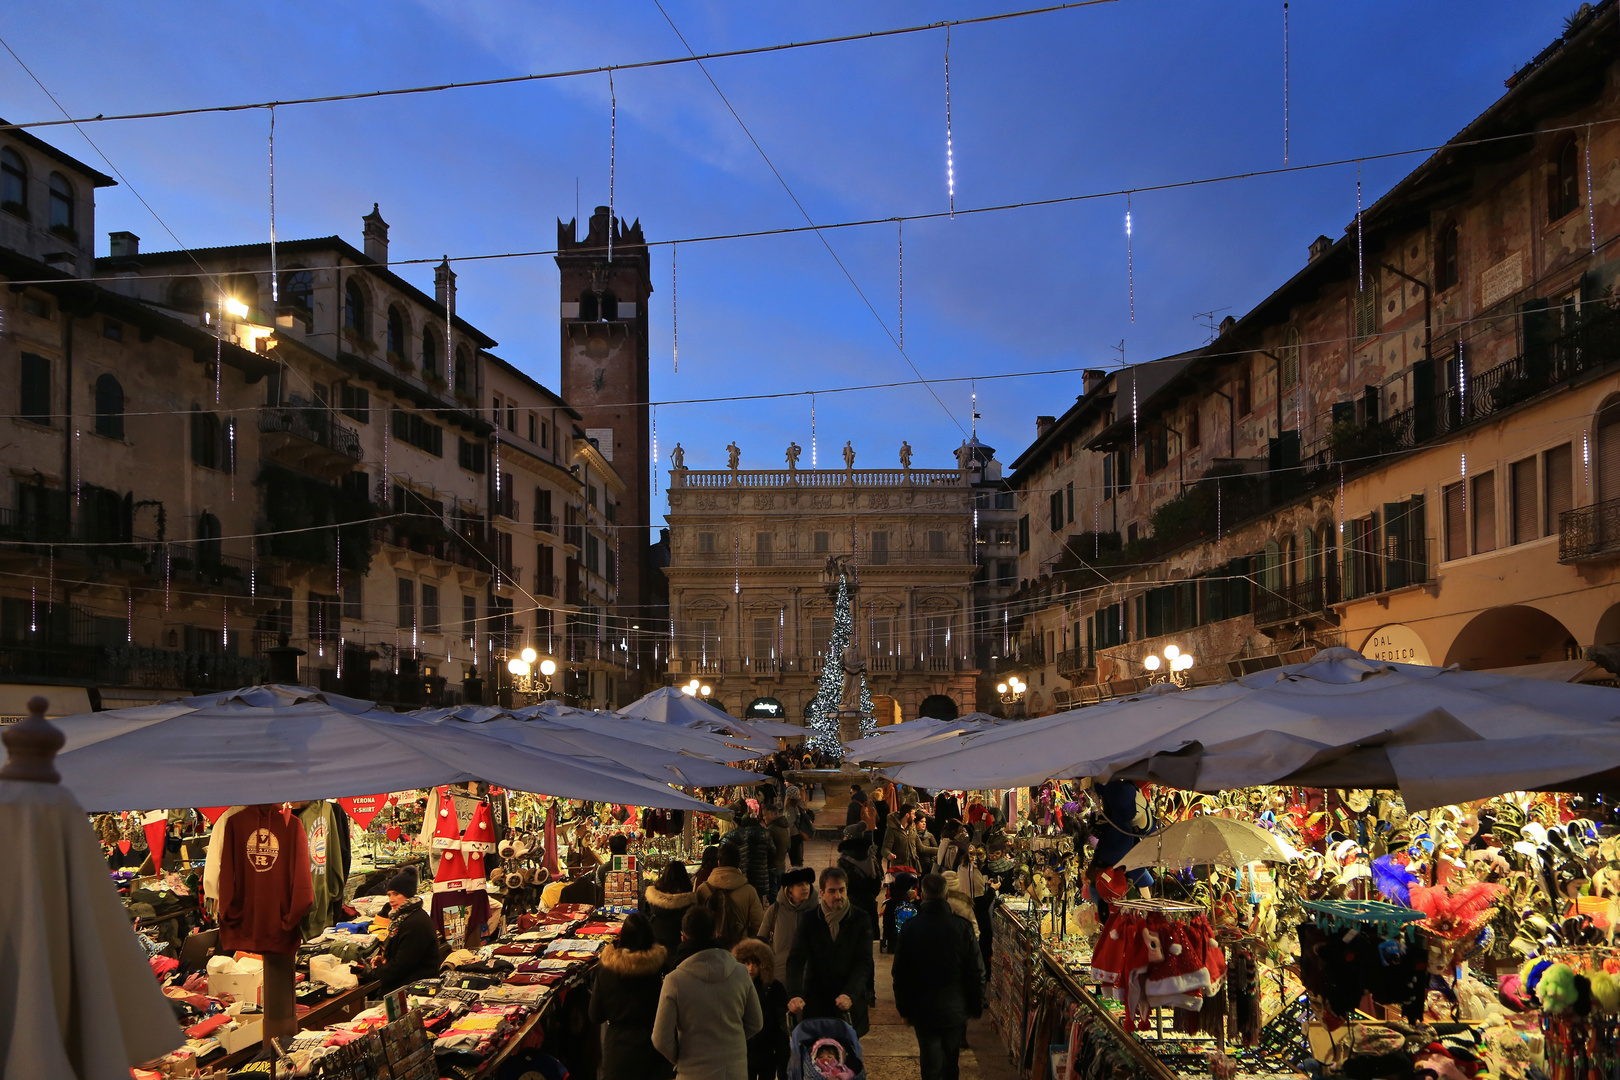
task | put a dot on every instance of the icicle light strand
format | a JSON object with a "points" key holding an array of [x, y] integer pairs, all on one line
{"points": [[613, 152], [950, 149], [275, 294], [674, 310], [1361, 269], [655, 450], [1130, 257], [1591, 219], [1285, 84], [900, 247]]}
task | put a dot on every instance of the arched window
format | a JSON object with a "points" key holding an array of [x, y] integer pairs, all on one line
{"points": [[464, 378], [396, 332], [431, 352], [610, 305], [298, 289], [61, 212], [208, 541], [1290, 561], [1312, 559], [1289, 354], [1563, 180], [354, 307], [13, 181], [1446, 269], [243, 287], [186, 295], [1271, 566], [109, 407], [588, 308]]}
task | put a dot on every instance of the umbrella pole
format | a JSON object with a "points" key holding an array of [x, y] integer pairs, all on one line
{"points": [[280, 1018]]}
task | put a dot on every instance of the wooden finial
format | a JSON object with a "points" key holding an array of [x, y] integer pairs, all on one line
{"points": [[31, 747]]}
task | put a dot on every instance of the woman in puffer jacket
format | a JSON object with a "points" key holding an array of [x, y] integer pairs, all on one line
{"points": [[625, 1002], [665, 904]]}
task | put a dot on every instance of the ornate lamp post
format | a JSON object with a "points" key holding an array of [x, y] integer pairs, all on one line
{"points": [[531, 680]]}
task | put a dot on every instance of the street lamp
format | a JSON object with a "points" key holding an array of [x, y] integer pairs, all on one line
{"points": [[1012, 692], [1172, 667], [529, 679], [697, 689]]}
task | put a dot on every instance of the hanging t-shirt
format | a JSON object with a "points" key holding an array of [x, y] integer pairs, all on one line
{"points": [[264, 881], [325, 865]]}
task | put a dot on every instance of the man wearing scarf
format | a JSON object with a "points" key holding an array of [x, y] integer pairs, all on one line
{"points": [[829, 969]]}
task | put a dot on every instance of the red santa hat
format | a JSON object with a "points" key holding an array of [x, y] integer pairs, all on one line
{"points": [[1183, 970], [477, 842], [450, 877]]}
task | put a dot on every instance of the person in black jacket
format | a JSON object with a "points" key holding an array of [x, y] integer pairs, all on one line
{"points": [[625, 1000], [938, 980], [856, 860], [768, 1049], [665, 904], [411, 951], [830, 967], [753, 843]]}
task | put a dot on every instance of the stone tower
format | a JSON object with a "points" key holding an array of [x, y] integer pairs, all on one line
{"points": [[604, 376]]}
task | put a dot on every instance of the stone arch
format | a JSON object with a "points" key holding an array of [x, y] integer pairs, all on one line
{"points": [[1510, 636], [939, 706]]}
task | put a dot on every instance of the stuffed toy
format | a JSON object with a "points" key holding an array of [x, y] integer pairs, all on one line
{"points": [[1605, 992], [1557, 989]]}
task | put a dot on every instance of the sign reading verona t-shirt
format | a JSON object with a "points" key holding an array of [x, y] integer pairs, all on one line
{"points": [[1396, 643]]}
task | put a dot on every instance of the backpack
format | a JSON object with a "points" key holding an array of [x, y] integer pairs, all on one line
{"points": [[806, 822], [727, 928]]}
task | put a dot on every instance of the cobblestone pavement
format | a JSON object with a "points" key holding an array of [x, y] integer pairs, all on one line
{"points": [[890, 1047]]}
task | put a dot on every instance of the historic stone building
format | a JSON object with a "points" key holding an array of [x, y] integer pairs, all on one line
{"points": [[1411, 447], [750, 613]]}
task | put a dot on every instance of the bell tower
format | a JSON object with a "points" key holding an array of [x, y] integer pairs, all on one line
{"points": [[604, 291]]}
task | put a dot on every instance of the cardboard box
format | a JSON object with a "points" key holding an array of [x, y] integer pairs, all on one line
{"points": [[239, 987], [249, 1033]]}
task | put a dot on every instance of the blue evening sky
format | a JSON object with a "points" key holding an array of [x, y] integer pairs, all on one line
{"points": [[1125, 94]]}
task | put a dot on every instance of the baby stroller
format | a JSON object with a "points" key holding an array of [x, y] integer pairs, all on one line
{"points": [[801, 1064], [899, 904]]}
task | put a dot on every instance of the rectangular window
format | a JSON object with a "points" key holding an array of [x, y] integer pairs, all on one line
{"points": [[1068, 500], [212, 442], [820, 634], [355, 402], [764, 639], [1557, 466], [469, 616], [1108, 477], [1482, 497], [708, 638], [414, 429], [1054, 510], [545, 570], [1242, 392], [880, 548], [936, 541], [705, 543], [590, 495], [34, 401], [1525, 516], [430, 609], [1192, 433], [762, 549], [822, 541], [610, 565], [353, 606], [1004, 500], [531, 427], [470, 455], [1456, 525], [545, 434], [508, 504], [882, 637], [1023, 534], [937, 633], [542, 509], [593, 559], [407, 603]]}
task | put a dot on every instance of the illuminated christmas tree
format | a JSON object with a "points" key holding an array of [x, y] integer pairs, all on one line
{"points": [[830, 690], [868, 717]]}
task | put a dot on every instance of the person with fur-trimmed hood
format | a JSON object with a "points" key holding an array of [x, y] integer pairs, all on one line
{"points": [[625, 1002], [768, 1049], [664, 904]]}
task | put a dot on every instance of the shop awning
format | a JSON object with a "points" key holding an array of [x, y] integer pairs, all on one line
{"points": [[667, 705], [63, 700], [269, 744]]}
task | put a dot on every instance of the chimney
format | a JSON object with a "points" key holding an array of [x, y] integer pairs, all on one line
{"points": [[1091, 378], [444, 285], [1043, 424], [123, 245], [1227, 323], [376, 234], [1319, 247]]}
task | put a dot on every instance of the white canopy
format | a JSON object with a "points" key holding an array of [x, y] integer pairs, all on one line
{"points": [[287, 743], [692, 740], [886, 746], [668, 705], [1340, 720], [596, 747]]}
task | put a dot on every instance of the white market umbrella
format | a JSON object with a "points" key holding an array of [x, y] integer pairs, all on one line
{"points": [[77, 998], [890, 744], [599, 748], [1209, 841], [272, 744], [668, 705], [1438, 735], [690, 740]]}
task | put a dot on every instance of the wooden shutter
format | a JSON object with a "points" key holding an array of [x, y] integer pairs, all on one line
{"points": [[1558, 479], [1525, 515], [1484, 511], [1608, 454], [1456, 523]]}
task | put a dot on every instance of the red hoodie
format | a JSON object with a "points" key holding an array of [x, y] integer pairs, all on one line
{"points": [[264, 885]]}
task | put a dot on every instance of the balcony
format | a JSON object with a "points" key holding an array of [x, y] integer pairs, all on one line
{"points": [[1301, 602], [133, 666], [818, 559], [821, 478], [547, 584], [546, 523], [1400, 564], [308, 439], [1071, 662], [1589, 532]]}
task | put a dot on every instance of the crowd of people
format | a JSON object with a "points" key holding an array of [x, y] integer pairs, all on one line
{"points": [[728, 968]]}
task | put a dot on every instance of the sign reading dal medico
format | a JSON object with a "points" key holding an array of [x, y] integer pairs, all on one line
{"points": [[1396, 643], [767, 707]]}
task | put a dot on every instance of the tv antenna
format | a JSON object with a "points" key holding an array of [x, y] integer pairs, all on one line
{"points": [[1211, 325]]}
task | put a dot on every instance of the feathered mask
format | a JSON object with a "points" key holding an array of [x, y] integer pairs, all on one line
{"points": [[1393, 880], [1456, 916]]}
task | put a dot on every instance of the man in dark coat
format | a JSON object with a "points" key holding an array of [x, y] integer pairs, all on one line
{"points": [[830, 966], [411, 951], [938, 980]]}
